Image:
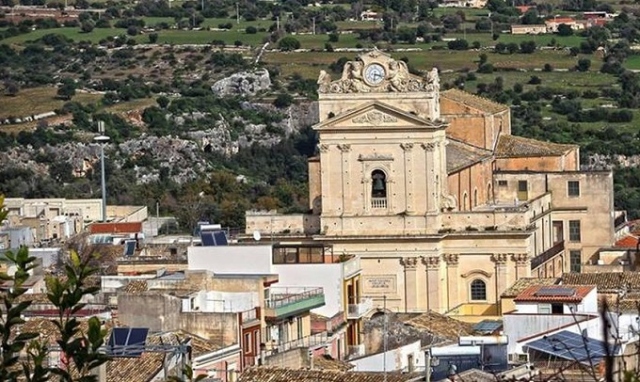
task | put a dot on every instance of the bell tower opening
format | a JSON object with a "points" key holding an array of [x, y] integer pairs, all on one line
{"points": [[378, 189]]}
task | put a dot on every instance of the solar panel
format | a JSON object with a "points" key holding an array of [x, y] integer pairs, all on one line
{"points": [[127, 342], [220, 238], [487, 326], [129, 248], [572, 346], [565, 292], [207, 239]]}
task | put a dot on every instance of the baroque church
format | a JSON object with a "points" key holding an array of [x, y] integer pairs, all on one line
{"points": [[442, 204]]}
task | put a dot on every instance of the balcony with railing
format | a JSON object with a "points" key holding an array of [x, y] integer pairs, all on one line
{"points": [[288, 301], [360, 309], [378, 202], [304, 342], [547, 255], [250, 316]]}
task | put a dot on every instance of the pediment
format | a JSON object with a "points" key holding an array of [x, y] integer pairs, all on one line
{"points": [[377, 115]]}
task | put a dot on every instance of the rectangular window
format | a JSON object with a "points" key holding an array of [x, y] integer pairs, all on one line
{"points": [[248, 344], [502, 183], [575, 261], [544, 308], [299, 324], [574, 230], [573, 188], [556, 308], [523, 190], [558, 231]]}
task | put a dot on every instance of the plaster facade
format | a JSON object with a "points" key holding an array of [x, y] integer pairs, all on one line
{"points": [[441, 203]]}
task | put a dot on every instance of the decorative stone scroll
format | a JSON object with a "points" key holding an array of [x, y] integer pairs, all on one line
{"points": [[406, 146], [431, 262], [430, 146], [451, 259], [520, 259], [409, 262], [345, 148], [500, 258], [323, 148], [397, 78], [374, 118]]}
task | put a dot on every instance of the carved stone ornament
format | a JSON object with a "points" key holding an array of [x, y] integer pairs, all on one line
{"points": [[323, 148], [520, 258], [429, 146], [409, 262], [500, 258], [448, 202], [406, 146], [374, 118], [396, 77], [344, 148], [431, 262], [451, 259], [374, 157]]}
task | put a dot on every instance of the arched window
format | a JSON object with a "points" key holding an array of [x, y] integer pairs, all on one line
{"points": [[489, 193], [475, 197], [378, 189], [478, 290], [465, 200]]}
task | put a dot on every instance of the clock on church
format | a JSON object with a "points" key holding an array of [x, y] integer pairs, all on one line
{"points": [[374, 74]]}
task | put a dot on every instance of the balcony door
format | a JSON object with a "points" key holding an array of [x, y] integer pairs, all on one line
{"points": [[558, 231], [523, 190]]}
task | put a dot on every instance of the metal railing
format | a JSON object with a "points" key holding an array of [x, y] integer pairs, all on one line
{"points": [[279, 297], [249, 315], [547, 255], [304, 342], [360, 309], [378, 202]]}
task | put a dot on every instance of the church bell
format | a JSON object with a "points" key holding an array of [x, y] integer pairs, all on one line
{"points": [[378, 185]]}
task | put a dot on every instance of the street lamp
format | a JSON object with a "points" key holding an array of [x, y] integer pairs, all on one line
{"points": [[102, 139]]}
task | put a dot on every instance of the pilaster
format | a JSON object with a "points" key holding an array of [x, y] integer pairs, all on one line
{"points": [[500, 259], [410, 283], [345, 170], [453, 279], [432, 265], [432, 194], [408, 177], [523, 264]]}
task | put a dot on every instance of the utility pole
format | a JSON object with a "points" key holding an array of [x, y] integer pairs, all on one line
{"points": [[102, 139], [278, 23], [237, 13], [314, 25]]}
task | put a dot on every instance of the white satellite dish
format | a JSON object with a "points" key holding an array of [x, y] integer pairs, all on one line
{"points": [[256, 235]]}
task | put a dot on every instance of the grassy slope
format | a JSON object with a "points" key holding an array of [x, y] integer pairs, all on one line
{"points": [[36, 101]]}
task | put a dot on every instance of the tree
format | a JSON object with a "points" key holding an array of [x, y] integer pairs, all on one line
{"points": [[565, 30], [67, 90], [251, 30], [583, 65], [11, 88], [288, 43], [527, 47], [87, 26], [283, 100], [153, 38], [82, 347]]}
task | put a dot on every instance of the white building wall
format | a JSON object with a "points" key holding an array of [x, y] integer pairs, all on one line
{"points": [[395, 360], [327, 276], [109, 284], [522, 325], [245, 259], [592, 327]]}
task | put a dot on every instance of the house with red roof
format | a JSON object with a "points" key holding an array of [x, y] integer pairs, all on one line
{"points": [[554, 23]]}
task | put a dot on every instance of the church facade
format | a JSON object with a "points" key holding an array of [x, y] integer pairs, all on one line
{"points": [[444, 207]]}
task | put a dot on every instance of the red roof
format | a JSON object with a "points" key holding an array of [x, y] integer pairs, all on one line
{"points": [[532, 294], [627, 242], [561, 20], [523, 8], [135, 227]]}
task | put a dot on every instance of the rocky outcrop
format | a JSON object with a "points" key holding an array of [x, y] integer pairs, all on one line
{"points": [[608, 162], [243, 83]]}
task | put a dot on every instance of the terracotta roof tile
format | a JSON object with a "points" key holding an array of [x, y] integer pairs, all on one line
{"points": [[627, 242], [525, 283], [136, 286], [276, 374], [511, 146], [441, 325], [474, 101], [531, 293], [326, 362], [461, 155], [607, 282]]}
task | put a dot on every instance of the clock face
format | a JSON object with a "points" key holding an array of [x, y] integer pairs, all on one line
{"points": [[374, 74]]}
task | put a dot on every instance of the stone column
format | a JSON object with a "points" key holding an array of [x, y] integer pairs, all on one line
{"points": [[410, 283], [500, 259], [432, 193], [409, 203], [346, 179], [453, 280], [523, 265], [434, 288]]}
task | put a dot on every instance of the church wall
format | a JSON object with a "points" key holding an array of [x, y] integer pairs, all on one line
{"points": [[475, 182], [472, 126], [315, 186], [549, 163], [423, 105]]}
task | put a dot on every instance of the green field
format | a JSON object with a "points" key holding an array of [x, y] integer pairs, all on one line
{"points": [[36, 101]]}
